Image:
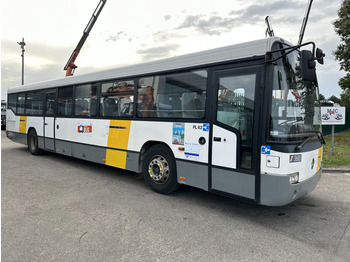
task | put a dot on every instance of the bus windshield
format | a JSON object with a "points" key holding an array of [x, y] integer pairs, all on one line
{"points": [[295, 109]]}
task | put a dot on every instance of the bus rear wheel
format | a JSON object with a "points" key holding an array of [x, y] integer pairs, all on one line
{"points": [[159, 170], [33, 143]]}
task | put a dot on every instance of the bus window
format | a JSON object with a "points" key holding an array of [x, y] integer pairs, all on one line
{"points": [[50, 104], [117, 99], [12, 101], [180, 95], [21, 98], [85, 103], [34, 103], [65, 98], [236, 109]]}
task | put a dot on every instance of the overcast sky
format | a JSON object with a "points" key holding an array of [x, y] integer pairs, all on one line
{"points": [[134, 31]]}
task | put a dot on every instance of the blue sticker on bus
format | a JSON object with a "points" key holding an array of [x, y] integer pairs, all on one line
{"points": [[206, 127], [266, 150]]}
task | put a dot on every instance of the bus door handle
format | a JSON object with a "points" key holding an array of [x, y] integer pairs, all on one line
{"points": [[217, 139], [46, 124]]}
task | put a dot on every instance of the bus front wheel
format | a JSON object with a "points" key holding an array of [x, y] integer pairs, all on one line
{"points": [[33, 143], [159, 170]]}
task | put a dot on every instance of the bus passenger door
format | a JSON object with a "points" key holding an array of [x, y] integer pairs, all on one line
{"points": [[234, 158], [49, 121]]}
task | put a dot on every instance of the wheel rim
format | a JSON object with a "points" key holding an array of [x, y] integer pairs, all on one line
{"points": [[158, 169]]}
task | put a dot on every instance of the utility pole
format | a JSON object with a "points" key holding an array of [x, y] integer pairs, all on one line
{"points": [[22, 45]]}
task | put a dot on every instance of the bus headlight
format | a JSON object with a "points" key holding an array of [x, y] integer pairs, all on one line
{"points": [[294, 178]]}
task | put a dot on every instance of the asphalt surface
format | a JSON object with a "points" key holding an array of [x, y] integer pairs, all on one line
{"points": [[56, 208]]}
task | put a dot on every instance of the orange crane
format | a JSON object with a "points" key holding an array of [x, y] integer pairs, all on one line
{"points": [[70, 66]]}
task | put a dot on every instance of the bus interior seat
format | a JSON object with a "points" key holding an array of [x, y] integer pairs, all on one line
{"points": [[109, 107], [80, 106], [192, 105], [176, 106], [163, 105], [61, 110], [65, 107]]}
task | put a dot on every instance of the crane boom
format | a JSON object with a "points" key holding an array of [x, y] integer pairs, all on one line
{"points": [[303, 26], [70, 66]]}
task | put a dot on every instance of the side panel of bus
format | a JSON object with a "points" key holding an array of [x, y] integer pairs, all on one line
{"points": [[119, 143], [189, 142]]}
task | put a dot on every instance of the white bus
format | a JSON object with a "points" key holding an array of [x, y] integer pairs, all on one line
{"points": [[242, 120]]}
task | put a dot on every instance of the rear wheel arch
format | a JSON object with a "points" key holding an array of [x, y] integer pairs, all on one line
{"points": [[146, 146], [33, 142], [158, 167]]}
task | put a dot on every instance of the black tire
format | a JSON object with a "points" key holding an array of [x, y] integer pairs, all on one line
{"points": [[33, 146], [159, 170]]}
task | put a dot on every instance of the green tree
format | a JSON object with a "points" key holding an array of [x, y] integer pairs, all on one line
{"points": [[345, 98], [322, 97], [342, 28], [335, 99]]}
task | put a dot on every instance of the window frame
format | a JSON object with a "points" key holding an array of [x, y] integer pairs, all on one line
{"points": [[41, 93], [92, 85], [24, 103], [58, 103], [102, 95], [199, 99], [14, 109]]}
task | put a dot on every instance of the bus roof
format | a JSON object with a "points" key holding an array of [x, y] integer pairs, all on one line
{"points": [[217, 55]]}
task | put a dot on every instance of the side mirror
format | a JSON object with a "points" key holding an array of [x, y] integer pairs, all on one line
{"points": [[308, 65], [320, 55]]}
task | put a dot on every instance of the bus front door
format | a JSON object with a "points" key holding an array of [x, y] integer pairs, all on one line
{"points": [[49, 121], [233, 137]]}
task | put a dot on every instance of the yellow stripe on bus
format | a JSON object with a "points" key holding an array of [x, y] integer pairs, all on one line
{"points": [[23, 124], [118, 137], [116, 158], [319, 159]]}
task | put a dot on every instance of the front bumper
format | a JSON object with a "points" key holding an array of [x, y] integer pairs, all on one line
{"points": [[276, 190]]}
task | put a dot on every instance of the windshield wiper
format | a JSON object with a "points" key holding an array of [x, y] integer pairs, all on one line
{"points": [[319, 136], [301, 145]]}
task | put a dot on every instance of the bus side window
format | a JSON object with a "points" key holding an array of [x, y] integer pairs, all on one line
{"points": [[179, 95], [12, 102], [65, 99], [145, 96], [21, 98], [85, 100], [193, 105], [34, 103], [117, 99], [50, 104]]}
